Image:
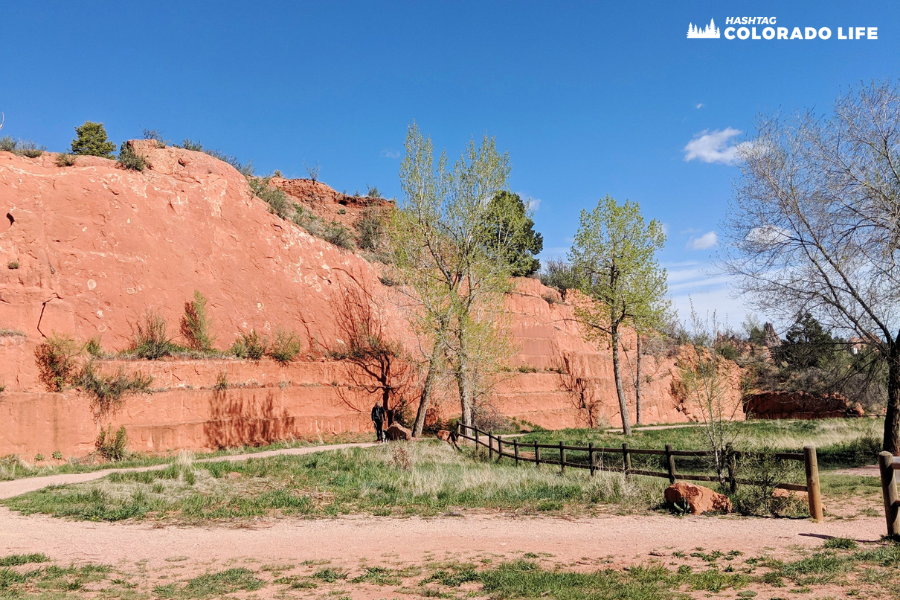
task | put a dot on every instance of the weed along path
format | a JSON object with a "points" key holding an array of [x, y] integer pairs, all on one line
{"points": [[17, 487]]}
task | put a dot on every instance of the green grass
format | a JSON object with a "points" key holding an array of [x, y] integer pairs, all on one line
{"points": [[439, 479], [12, 467], [212, 585]]}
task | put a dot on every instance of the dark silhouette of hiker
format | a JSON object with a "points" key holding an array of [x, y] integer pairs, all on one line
{"points": [[378, 419]]}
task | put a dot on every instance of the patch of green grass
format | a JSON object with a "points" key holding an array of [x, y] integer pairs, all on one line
{"points": [[334, 483], [14, 560], [212, 585], [841, 544], [49, 580], [330, 575]]}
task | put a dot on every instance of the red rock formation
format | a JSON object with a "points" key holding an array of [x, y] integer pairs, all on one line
{"points": [[98, 245], [800, 405], [697, 498]]}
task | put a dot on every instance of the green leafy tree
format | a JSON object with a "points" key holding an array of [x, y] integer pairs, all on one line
{"points": [[90, 139], [806, 344], [614, 258], [456, 286], [508, 234]]}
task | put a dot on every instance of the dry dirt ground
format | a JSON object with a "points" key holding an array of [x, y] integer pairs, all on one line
{"points": [[159, 554]]}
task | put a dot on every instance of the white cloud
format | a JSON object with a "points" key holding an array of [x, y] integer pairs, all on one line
{"points": [[699, 106], [665, 229], [533, 204], [714, 147], [704, 242], [390, 153]]}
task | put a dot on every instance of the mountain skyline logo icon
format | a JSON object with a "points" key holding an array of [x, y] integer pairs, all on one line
{"points": [[710, 32]]}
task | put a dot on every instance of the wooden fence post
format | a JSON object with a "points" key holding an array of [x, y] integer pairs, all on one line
{"points": [[499, 448], [626, 459], [537, 455], [670, 463], [812, 483], [732, 467], [562, 458], [889, 490], [477, 450], [516, 451], [490, 442], [591, 456]]}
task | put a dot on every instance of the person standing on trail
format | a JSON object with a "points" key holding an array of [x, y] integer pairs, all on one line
{"points": [[378, 419]]}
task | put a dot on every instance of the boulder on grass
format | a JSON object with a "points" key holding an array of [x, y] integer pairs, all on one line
{"points": [[398, 432], [696, 498], [444, 435]]}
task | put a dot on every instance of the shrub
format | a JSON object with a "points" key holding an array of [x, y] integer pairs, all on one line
{"points": [[107, 391], [153, 134], [38, 457], [91, 140], [221, 382], [111, 446], [13, 265], [131, 160], [57, 362], [7, 144], [150, 339], [65, 160], [286, 346], [196, 327], [307, 220], [342, 211], [93, 347], [372, 192], [244, 169], [250, 345], [765, 471], [338, 235], [274, 197], [728, 350], [21, 147], [312, 171], [370, 228], [57, 455]]}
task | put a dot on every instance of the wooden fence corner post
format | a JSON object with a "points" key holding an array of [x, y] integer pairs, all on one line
{"points": [[562, 458], [591, 457], [670, 463], [812, 483], [499, 448], [889, 490], [516, 450], [537, 454], [732, 467]]}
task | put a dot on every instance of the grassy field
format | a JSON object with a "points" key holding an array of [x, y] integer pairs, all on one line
{"points": [[15, 467], [839, 568], [425, 478]]}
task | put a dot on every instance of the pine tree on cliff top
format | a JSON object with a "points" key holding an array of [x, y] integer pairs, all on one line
{"points": [[91, 140]]}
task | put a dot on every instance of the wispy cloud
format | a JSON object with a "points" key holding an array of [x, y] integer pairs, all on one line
{"points": [[704, 242], [391, 153], [533, 204], [714, 146], [699, 106]]}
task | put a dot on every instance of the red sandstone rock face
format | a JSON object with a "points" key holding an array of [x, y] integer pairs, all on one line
{"points": [[98, 245], [697, 498], [800, 405]]}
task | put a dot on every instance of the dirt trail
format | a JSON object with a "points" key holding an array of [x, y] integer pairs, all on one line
{"points": [[8, 489], [625, 539]]}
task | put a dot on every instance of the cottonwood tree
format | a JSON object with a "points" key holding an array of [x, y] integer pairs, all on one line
{"points": [[614, 259], [814, 224], [455, 282]]}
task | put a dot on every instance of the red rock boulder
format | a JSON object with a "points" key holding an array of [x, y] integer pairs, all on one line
{"points": [[696, 498], [398, 432], [444, 435]]}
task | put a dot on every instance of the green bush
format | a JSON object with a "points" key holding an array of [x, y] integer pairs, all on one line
{"points": [[370, 228], [286, 346], [131, 160], [372, 192], [250, 345], [153, 134], [12, 265], [93, 347], [112, 447], [244, 169], [107, 391], [21, 147], [150, 339], [7, 144], [57, 363], [338, 235], [274, 197], [65, 160], [196, 327], [90, 140]]}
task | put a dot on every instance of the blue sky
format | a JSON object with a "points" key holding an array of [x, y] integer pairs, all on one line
{"points": [[588, 98]]}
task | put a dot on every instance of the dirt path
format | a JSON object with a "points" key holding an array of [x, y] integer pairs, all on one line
{"points": [[8, 489], [866, 471], [622, 539]]}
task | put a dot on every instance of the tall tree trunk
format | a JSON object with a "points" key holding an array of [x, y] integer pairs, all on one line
{"points": [[465, 393], [892, 414], [425, 400], [617, 373], [637, 384]]}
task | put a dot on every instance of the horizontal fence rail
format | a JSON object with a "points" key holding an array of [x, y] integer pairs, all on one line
{"points": [[555, 454]]}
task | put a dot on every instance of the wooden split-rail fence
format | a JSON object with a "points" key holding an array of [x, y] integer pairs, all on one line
{"points": [[555, 454]]}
